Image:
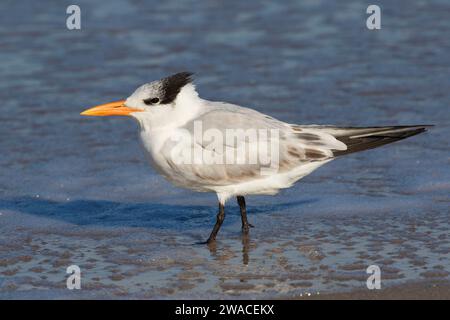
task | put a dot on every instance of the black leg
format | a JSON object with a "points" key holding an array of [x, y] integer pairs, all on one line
{"points": [[220, 218], [245, 225]]}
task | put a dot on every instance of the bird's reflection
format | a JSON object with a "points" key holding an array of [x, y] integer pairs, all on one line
{"points": [[213, 248], [216, 254], [245, 248]]}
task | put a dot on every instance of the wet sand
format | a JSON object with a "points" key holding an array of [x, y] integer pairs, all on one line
{"points": [[410, 291], [286, 256]]}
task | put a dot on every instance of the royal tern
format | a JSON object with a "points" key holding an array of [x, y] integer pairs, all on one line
{"points": [[188, 140]]}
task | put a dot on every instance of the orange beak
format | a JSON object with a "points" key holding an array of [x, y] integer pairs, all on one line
{"points": [[116, 108]]}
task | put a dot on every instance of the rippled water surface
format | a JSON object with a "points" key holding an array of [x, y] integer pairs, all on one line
{"points": [[78, 191]]}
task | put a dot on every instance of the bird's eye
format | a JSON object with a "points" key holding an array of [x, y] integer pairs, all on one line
{"points": [[150, 101]]}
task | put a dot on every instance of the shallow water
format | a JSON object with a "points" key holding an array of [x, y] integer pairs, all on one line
{"points": [[78, 191]]}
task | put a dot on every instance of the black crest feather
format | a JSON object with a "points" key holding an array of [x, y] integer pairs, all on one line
{"points": [[172, 85]]}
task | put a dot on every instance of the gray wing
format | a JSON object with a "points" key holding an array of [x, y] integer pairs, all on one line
{"points": [[263, 142]]}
